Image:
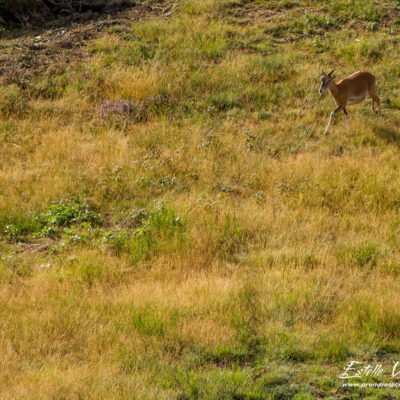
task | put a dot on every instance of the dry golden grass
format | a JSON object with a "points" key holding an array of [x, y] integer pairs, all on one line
{"points": [[238, 252]]}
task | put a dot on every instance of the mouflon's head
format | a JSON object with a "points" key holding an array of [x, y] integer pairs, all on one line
{"points": [[326, 79]]}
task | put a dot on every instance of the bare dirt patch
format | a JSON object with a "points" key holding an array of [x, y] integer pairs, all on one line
{"points": [[19, 13], [48, 50], [249, 13]]}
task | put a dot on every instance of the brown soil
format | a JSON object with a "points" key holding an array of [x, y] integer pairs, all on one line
{"points": [[20, 13], [246, 13], [44, 51]]}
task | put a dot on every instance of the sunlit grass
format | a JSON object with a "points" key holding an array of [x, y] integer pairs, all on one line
{"points": [[174, 224]]}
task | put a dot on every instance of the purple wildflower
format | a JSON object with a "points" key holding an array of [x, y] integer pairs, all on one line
{"points": [[138, 111]]}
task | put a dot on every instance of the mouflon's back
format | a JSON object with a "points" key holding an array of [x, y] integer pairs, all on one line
{"points": [[360, 78]]}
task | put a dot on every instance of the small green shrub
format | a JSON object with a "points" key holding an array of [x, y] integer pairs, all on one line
{"points": [[60, 216], [74, 235], [65, 213]]}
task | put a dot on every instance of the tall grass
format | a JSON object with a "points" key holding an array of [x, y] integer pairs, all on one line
{"points": [[173, 223]]}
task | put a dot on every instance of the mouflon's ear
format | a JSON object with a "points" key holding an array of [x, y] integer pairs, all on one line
{"points": [[322, 73]]}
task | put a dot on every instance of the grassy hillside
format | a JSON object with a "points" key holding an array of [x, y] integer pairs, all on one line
{"points": [[20, 13], [175, 225]]}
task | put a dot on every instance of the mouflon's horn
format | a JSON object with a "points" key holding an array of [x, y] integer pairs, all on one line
{"points": [[330, 73]]}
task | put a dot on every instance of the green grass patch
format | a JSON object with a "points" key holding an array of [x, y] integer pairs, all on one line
{"points": [[362, 255]]}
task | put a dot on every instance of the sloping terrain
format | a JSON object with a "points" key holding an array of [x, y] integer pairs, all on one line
{"points": [[175, 225], [21, 13], [39, 51]]}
